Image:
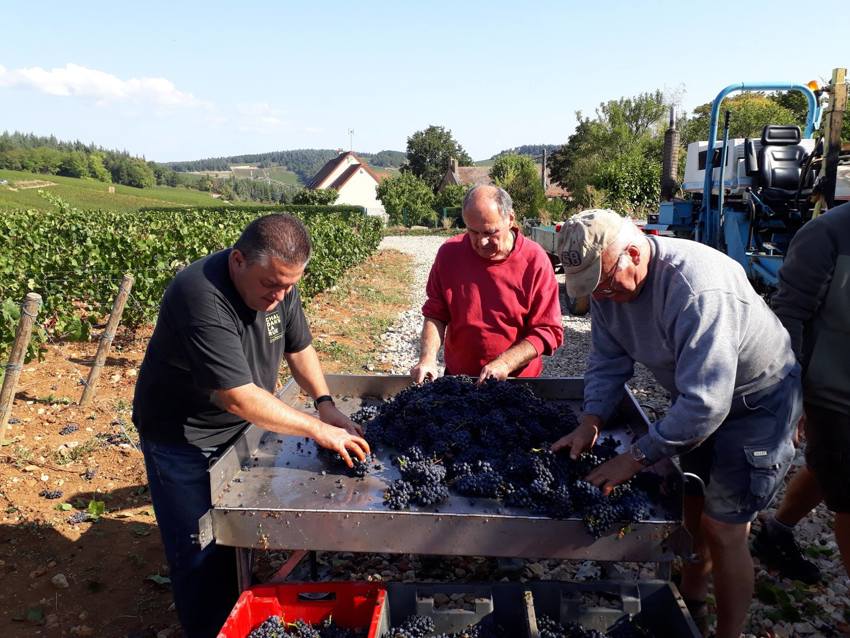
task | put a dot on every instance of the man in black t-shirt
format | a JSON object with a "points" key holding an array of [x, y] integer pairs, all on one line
{"points": [[225, 324]]}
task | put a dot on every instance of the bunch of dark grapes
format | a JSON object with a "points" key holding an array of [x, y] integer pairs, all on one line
{"points": [[477, 480], [413, 627], [50, 494], [550, 628], [276, 627], [398, 494], [69, 429], [493, 441], [79, 517], [272, 627], [585, 495], [360, 469], [601, 517], [301, 629]]}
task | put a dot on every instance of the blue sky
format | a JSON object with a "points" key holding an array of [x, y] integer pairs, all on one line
{"points": [[185, 80]]}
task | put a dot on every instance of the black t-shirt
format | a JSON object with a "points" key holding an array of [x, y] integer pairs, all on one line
{"points": [[207, 339]]}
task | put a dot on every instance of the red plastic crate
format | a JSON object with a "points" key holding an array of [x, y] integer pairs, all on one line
{"points": [[352, 605]]}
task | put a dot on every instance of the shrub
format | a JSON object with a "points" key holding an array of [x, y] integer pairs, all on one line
{"points": [[75, 259]]}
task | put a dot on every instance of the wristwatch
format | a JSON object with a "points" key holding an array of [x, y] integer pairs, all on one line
{"points": [[322, 399], [638, 455]]}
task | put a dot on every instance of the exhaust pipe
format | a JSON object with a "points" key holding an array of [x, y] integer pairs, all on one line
{"points": [[670, 166]]}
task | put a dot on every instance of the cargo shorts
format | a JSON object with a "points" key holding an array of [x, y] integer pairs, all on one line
{"points": [[743, 463], [828, 454]]}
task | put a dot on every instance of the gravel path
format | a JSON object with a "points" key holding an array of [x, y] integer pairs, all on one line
{"points": [[822, 608]]}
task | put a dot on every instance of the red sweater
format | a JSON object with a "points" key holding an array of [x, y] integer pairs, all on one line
{"points": [[490, 306]]}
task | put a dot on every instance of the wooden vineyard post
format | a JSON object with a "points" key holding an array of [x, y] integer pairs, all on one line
{"points": [[29, 310], [106, 339]]}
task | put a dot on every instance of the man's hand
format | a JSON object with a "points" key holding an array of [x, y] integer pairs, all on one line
{"points": [[339, 440], [582, 438], [496, 369], [611, 473], [425, 369], [331, 415]]}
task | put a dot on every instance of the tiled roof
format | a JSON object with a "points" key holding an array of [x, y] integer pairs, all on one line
{"points": [[333, 164], [340, 181]]}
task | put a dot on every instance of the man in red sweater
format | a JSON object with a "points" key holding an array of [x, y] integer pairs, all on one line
{"points": [[492, 297]]}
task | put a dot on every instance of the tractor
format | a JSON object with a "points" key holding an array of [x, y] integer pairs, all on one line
{"points": [[748, 196]]}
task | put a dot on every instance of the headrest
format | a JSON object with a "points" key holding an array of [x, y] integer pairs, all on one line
{"points": [[777, 135]]}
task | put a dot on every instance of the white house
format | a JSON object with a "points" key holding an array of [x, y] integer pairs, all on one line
{"points": [[353, 179]]}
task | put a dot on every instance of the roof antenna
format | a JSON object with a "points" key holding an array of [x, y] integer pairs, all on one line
{"points": [[351, 139]]}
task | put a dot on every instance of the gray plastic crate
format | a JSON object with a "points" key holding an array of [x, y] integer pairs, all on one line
{"points": [[600, 605]]}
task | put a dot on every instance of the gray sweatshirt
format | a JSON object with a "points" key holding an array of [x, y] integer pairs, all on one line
{"points": [[704, 333]]}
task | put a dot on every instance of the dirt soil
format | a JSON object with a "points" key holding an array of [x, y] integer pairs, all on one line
{"points": [[107, 576]]}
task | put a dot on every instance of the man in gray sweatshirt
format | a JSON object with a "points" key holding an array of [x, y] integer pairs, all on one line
{"points": [[688, 313]]}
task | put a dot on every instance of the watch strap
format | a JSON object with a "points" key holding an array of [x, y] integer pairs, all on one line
{"points": [[322, 399]]}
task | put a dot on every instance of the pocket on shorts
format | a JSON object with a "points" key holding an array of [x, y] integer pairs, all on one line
{"points": [[767, 469]]}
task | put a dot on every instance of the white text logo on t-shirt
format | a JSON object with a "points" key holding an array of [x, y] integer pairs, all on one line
{"points": [[273, 327]]}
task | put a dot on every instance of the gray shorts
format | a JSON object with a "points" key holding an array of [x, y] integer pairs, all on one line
{"points": [[744, 461]]}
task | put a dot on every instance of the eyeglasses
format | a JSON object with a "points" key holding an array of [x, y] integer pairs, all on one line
{"points": [[604, 287]]}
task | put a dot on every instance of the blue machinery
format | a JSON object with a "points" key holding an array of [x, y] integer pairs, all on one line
{"points": [[745, 228]]}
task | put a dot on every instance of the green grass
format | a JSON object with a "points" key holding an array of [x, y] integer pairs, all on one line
{"points": [[282, 175], [89, 194]]}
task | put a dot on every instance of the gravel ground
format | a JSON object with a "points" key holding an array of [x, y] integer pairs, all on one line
{"points": [[822, 608]]}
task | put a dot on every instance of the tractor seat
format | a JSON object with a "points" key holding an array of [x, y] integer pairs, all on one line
{"points": [[780, 162]]}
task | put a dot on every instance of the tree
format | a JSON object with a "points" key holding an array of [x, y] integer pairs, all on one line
{"points": [[748, 115], [135, 172], [408, 200], [450, 197], [309, 196], [518, 175], [97, 169], [74, 164], [610, 159], [429, 153]]}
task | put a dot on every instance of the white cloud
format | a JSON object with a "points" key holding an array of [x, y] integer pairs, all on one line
{"points": [[313, 129], [80, 81], [259, 117]]}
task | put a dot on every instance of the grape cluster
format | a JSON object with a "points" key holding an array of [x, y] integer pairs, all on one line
{"points": [[79, 517], [332, 458], [413, 627], [492, 441], [276, 627], [50, 494], [69, 429], [422, 482]]}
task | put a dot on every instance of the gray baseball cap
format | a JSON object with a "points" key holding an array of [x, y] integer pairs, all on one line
{"points": [[582, 240]]}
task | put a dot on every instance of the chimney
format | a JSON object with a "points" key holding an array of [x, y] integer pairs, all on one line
{"points": [[453, 165]]}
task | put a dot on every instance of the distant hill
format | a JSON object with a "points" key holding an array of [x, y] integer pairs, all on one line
{"points": [[304, 163], [535, 151]]}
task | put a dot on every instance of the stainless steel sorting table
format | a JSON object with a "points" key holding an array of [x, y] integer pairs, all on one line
{"points": [[272, 492]]}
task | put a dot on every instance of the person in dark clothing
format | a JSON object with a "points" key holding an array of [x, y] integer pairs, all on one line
{"points": [[813, 303], [225, 324]]}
